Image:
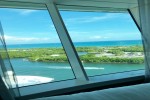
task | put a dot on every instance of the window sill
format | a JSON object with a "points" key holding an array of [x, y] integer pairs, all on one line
{"points": [[55, 88]]}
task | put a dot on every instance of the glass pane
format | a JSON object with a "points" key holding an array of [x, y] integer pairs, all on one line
{"points": [[106, 42], [6, 67], [34, 47]]}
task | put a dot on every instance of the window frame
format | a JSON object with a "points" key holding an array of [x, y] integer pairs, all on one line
{"points": [[52, 89], [62, 32], [109, 11], [82, 80]]}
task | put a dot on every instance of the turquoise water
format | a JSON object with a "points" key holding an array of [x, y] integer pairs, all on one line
{"points": [[58, 71], [62, 71]]}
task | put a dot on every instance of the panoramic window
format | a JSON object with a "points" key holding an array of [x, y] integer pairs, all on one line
{"points": [[34, 47], [105, 42]]}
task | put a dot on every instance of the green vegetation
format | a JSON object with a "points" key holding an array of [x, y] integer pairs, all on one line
{"points": [[105, 59], [116, 52], [120, 54], [90, 49]]}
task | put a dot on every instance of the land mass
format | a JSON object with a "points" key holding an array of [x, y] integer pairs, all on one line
{"points": [[117, 54]]}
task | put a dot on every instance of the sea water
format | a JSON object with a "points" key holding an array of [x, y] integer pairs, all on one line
{"points": [[78, 44], [62, 71]]}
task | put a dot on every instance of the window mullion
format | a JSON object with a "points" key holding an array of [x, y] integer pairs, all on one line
{"points": [[67, 43]]}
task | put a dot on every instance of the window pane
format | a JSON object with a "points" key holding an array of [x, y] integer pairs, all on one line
{"points": [[34, 47], [5, 67], [106, 42]]}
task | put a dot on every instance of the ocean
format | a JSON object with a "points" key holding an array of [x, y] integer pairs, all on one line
{"points": [[58, 71], [78, 44]]}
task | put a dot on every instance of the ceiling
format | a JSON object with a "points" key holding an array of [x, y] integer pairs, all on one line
{"points": [[106, 5], [103, 4]]}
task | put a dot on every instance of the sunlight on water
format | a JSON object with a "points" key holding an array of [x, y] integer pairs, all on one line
{"points": [[29, 80], [70, 68]]}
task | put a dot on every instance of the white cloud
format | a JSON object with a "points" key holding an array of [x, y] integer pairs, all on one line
{"points": [[14, 39], [99, 38], [24, 11], [94, 18], [27, 12], [96, 37]]}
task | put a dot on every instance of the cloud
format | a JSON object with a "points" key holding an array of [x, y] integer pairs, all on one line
{"points": [[88, 19], [24, 11], [96, 37], [15, 39], [99, 38], [27, 12]]}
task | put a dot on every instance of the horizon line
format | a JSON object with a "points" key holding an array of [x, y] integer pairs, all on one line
{"points": [[73, 42]]}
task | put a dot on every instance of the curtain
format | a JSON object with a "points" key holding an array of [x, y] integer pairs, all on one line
{"points": [[144, 13]]}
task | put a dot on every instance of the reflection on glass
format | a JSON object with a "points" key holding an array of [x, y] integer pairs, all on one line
{"points": [[35, 51], [6, 71], [105, 42]]}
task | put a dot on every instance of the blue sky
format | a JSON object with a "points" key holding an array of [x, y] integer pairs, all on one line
{"points": [[22, 26]]}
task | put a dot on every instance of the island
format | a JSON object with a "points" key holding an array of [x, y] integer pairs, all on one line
{"points": [[114, 54]]}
